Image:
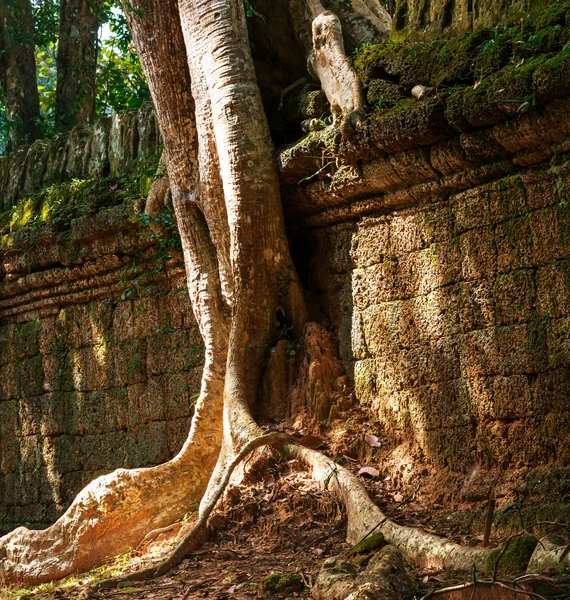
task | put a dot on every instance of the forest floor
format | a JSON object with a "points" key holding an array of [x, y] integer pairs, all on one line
{"points": [[271, 534]]}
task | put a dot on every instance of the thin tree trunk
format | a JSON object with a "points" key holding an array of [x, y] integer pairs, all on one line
{"points": [[76, 63], [18, 72]]}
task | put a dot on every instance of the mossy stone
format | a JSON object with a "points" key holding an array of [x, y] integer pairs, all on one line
{"points": [[282, 582]]}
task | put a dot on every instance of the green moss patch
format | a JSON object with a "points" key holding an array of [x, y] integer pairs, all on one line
{"points": [[515, 558], [282, 582], [517, 64], [57, 205]]}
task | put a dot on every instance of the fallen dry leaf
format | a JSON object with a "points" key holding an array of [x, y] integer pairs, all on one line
{"points": [[372, 440], [311, 441], [369, 472]]}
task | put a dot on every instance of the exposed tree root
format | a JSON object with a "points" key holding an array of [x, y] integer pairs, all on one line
{"points": [[340, 83], [114, 512], [197, 534], [424, 549]]}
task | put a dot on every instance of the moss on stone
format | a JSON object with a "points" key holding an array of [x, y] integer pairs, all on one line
{"points": [[279, 582], [510, 64], [515, 558], [57, 205]]}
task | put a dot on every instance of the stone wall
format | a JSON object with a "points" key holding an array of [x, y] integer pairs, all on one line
{"points": [[114, 145], [453, 320], [427, 19], [439, 246], [100, 361]]}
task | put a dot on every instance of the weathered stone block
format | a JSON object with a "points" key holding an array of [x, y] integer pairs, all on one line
{"points": [[145, 316], [522, 348], [116, 402], [381, 327], [378, 283], [476, 305], [30, 453], [30, 414], [551, 391], [479, 353], [553, 290], [511, 398], [73, 327], [58, 413], [153, 403], [176, 433], [471, 209], [515, 297], [405, 234], [8, 386], [369, 244], [29, 377], [58, 372], [25, 340], [102, 451], [429, 269], [338, 247], [435, 362], [507, 199], [91, 411], [558, 342], [436, 222], [61, 453], [129, 362], [479, 397], [479, 254], [542, 189], [166, 352], [514, 244]]}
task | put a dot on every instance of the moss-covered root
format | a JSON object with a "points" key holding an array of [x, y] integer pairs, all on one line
{"points": [[422, 548], [513, 558], [384, 578]]}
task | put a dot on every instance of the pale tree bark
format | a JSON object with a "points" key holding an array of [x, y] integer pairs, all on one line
{"points": [[18, 72], [76, 63]]}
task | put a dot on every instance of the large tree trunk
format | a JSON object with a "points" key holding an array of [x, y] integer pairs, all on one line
{"points": [[18, 72], [240, 278], [76, 63]]}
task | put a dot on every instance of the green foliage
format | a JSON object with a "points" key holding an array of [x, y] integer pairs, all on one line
{"points": [[120, 80]]}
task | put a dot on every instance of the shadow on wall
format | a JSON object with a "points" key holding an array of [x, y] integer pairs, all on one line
{"points": [[95, 387], [453, 321]]}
